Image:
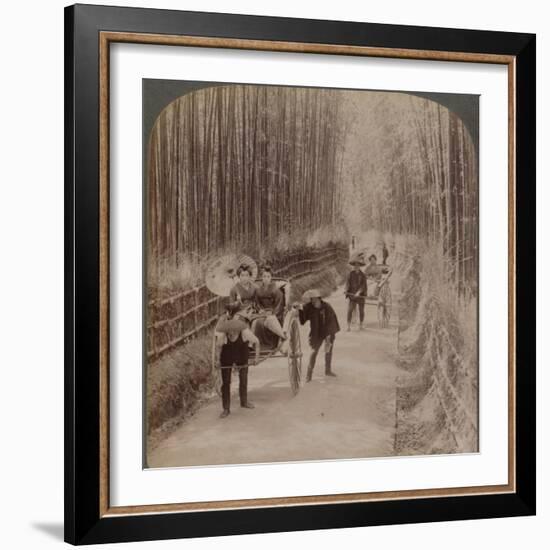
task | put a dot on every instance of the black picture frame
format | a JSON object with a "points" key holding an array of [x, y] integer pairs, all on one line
{"points": [[84, 523]]}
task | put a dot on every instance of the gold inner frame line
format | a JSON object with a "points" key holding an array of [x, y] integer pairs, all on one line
{"points": [[105, 39]]}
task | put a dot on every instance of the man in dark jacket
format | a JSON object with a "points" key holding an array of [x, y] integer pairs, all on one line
{"points": [[385, 254], [324, 326], [356, 290]]}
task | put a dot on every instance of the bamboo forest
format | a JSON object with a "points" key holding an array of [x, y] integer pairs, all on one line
{"points": [[305, 180], [242, 165]]}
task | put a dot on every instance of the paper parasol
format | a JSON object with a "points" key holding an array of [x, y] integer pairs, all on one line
{"points": [[221, 274]]}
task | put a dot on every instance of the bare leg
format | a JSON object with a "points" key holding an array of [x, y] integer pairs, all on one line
{"points": [[361, 306], [243, 388], [329, 345], [351, 308], [226, 390], [272, 323], [311, 364]]}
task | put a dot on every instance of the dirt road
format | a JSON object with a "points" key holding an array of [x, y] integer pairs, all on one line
{"points": [[350, 416]]}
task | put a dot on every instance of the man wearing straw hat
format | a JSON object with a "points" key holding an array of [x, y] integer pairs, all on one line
{"points": [[324, 326], [356, 289], [232, 339]]}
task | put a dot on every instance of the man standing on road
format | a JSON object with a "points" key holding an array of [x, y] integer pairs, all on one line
{"points": [[324, 326], [232, 340], [385, 254], [356, 290]]}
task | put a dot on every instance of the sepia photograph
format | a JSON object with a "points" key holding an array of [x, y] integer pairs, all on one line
{"points": [[311, 273]]}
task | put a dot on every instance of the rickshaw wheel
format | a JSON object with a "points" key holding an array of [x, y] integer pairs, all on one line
{"points": [[216, 373], [384, 306], [294, 356]]}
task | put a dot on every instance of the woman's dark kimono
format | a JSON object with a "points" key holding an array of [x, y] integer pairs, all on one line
{"points": [[269, 300]]}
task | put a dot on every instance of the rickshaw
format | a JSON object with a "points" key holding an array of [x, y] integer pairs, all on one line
{"points": [[381, 298], [270, 344]]}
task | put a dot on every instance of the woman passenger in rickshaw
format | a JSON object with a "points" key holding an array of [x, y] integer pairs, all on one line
{"points": [[244, 292], [269, 305]]}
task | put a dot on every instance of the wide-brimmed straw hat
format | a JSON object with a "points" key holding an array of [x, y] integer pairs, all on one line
{"points": [[357, 259], [232, 325], [312, 293]]}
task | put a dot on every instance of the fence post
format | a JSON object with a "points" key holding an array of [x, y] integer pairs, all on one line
{"points": [[151, 330], [195, 304]]}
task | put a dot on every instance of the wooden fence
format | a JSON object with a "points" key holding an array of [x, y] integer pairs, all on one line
{"points": [[173, 321]]}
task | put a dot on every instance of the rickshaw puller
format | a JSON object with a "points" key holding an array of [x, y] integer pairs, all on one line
{"points": [[356, 290], [233, 337], [324, 326]]}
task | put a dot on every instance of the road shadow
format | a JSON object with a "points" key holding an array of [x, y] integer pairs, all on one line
{"points": [[54, 530]]}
